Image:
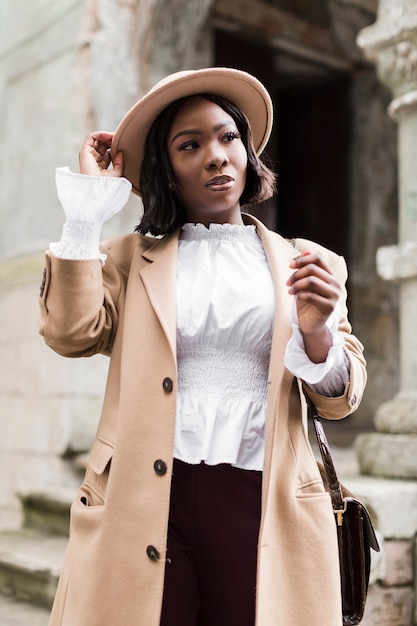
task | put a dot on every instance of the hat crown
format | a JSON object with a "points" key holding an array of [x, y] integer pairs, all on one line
{"points": [[171, 78]]}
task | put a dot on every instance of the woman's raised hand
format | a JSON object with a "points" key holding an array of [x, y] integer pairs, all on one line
{"points": [[317, 290], [95, 156]]}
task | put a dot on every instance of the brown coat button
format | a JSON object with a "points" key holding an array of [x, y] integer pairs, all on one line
{"points": [[152, 553], [160, 467], [167, 385]]}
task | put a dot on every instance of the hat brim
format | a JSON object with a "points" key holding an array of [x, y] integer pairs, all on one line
{"points": [[239, 87]]}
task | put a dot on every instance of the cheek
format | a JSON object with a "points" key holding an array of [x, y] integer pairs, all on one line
{"points": [[241, 160], [183, 176], [180, 171], [244, 166]]}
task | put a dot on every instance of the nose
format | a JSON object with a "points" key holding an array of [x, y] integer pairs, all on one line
{"points": [[216, 158]]}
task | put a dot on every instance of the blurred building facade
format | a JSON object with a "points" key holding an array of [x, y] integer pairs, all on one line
{"points": [[71, 67]]}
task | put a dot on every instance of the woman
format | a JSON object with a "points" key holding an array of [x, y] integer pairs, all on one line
{"points": [[202, 504]]}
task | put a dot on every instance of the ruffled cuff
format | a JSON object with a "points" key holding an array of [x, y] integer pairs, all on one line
{"points": [[296, 359], [88, 202], [91, 198], [335, 381], [79, 241]]}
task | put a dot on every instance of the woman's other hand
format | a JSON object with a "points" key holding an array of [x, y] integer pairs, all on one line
{"points": [[317, 291], [95, 156]]}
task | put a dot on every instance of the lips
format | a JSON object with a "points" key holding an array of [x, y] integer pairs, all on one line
{"points": [[220, 181]]}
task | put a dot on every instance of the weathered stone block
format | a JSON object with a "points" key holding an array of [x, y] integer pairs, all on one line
{"points": [[397, 262], [398, 563], [389, 607], [391, 503], [390, 455], [397, 416]]}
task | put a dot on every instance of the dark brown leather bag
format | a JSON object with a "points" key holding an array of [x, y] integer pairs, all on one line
{"points": [[355, 532]]}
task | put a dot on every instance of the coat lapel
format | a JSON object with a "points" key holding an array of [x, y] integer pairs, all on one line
{"points": [[159, 279], [279, 253]]}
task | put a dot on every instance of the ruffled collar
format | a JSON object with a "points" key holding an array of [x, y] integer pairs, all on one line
{"points": [[219, 232]]}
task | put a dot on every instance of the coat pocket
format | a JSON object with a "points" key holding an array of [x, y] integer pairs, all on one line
{"points": [[92, 492], [311, 489]]}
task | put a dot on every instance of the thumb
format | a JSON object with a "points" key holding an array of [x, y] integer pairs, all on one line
{"points": [[118, 164]]}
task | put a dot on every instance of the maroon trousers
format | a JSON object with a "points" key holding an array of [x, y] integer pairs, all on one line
{"points": [[210, 574]]}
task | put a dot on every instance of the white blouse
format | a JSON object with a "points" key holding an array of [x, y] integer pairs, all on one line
{"points": [[224, 325], [225, 312]]}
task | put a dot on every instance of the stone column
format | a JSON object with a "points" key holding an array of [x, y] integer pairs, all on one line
{"points": [[392, 44]]}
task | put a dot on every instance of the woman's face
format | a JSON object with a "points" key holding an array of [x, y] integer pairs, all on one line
{"points": [[209, 162]]}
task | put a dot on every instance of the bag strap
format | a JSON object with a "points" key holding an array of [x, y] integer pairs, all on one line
{"points": [[333, 484]]}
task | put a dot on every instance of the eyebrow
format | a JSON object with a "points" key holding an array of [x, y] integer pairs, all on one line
{"points": [[198, 131]]}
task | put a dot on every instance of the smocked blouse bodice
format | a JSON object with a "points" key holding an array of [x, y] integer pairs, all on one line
{"points": [[225, 311]]}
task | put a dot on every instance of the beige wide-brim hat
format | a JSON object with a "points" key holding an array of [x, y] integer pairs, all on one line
{"points": [[239, 87]]}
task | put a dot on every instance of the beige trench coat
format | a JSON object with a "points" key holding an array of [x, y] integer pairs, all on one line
{"points": [[114, 568]]}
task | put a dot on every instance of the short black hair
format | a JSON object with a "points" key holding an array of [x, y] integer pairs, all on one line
{"points": [[163, 210]]}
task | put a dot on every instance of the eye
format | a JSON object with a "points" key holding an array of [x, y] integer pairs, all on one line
{"points": [[191, 144], [231, 135]]}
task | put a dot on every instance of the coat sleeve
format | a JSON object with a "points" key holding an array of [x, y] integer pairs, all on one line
{"points": [[79, 304], [339, 407]]}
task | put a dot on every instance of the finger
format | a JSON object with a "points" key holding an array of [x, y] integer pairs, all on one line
{"points": [[314, 273], [118, 164], [101, 136], [307, 258], [100, 148], [299, 256], [103, 161], [99, 141], [312, 285], [311, 264]]}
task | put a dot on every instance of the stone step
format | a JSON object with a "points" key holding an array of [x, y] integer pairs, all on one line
{"points": [[16, 613], [30, 564], [48, 510]]}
